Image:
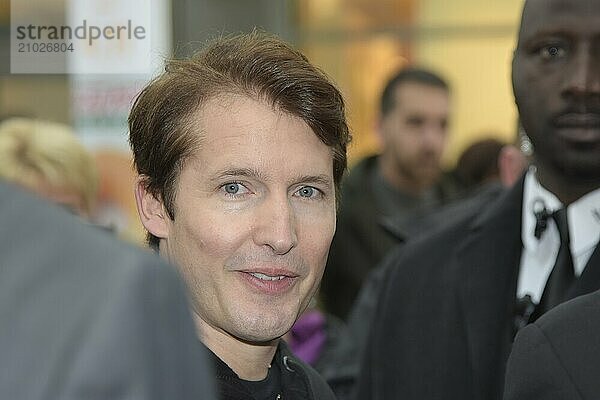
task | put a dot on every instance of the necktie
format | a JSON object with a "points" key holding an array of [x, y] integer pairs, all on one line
{"points": [[562, 276]]}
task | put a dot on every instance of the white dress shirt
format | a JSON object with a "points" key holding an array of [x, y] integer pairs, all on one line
{"points": [[538, 256]]}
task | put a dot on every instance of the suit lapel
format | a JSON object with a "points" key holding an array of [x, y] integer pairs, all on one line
{"points": [[488, 264]]}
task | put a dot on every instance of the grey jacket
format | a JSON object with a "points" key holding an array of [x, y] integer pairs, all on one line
{"points": [[83, 316]]}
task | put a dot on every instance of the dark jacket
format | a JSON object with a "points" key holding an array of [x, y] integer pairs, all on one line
{"points": [[445, 323], [365, 307], [298, 380], [558, 357], [361, 239], [340, 363]]}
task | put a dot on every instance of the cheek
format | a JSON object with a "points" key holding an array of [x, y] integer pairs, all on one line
{"points": [[403, 143], [532, 88], [317, 234], [532, 112], [214, 237]]}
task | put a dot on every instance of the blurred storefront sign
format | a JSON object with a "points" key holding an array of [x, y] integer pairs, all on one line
{"points": [[101, 102]]}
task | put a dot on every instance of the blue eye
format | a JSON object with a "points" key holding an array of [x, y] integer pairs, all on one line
{"points": [[308, 192], [232, 188]]}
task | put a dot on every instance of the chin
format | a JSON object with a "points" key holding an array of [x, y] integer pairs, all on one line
{"points": [[264, 328], [261, 336], [579, 167], [582, 174]]}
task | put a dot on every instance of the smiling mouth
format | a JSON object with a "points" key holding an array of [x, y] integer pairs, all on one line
{"points": [[275, 282], [267, 277]]}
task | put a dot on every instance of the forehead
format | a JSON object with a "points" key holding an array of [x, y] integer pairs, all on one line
{"points": [[420, 96], [560, 16], [237, 130]]}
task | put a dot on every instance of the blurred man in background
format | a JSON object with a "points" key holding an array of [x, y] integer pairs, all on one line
{"points": [[413, 127]]}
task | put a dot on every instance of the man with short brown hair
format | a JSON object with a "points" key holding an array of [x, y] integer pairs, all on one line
{"points": [[240, 152]]}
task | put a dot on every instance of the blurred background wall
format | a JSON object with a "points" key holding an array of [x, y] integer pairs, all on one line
{"points": [[361, 42]]}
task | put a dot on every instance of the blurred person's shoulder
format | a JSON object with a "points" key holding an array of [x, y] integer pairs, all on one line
{"points": [[28, 221], [49, 250], [81, 298]]}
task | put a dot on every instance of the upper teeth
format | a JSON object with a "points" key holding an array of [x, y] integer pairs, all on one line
{"points": [[266, 277]]}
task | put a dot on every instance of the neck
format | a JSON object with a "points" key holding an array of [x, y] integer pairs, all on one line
{"points": [[566, 189], [394, 177], [250, 361]]}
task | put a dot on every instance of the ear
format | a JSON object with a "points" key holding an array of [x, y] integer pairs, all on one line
{"points": [[511, 164], [151, 210]]}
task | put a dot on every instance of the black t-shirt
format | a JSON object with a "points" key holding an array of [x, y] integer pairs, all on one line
{"points": [[268, 388]]}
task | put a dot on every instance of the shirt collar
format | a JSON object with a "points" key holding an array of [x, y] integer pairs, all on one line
{"points": [[583, 214], [535, 197], [584, 222]]}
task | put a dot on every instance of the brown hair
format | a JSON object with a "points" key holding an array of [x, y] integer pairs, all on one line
{"points": [[411, 74], [257, 65]]}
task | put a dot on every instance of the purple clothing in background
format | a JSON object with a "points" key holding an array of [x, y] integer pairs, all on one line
{"points": [[307, 336]]}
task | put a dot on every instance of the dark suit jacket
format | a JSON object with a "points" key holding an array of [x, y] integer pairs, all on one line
{"points": [[558, 357], [85, 317], [445, 322], [351, 350]]}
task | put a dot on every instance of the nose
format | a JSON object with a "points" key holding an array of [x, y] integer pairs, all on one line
{"points": [[433, 136], [582, 78], [276, 226]]}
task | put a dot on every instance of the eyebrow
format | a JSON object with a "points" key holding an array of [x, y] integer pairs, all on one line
{"points": [[239, 172], [535, 38], [315, 179], [549, 31], [256, 174]]}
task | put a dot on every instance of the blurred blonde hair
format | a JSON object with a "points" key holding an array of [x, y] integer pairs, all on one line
{"points": [[33, 150]]}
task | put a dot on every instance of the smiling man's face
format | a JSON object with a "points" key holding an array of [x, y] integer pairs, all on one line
{"points": [[254, 218], [556, 80]]}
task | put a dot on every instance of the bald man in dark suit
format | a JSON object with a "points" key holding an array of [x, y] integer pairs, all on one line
{"points": [[83, 316]]}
